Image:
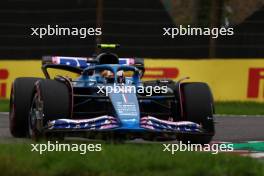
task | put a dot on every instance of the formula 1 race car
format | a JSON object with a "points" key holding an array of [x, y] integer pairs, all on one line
{"points": [[108, 99]]}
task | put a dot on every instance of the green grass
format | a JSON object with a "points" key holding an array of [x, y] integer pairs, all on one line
{"points": [[4, 105], [236, 107], [122, 160], [239, 108]]}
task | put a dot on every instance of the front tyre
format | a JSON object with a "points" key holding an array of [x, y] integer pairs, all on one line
{"points": [[20, 102], [198, 107], [51, 101]]}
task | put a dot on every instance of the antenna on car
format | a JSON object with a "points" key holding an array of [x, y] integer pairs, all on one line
{"points": [[108, 46]]}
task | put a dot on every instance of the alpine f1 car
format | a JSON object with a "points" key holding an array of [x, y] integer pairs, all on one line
{"points": [[91, 105]]}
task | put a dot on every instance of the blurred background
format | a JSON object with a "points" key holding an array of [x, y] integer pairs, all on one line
{"points": [[233, 66], [135, 24]]}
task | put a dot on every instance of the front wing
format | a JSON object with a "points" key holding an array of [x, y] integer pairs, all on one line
{"points": [[109, 123]]}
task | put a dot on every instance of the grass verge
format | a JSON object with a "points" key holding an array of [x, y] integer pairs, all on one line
{"points": [[239, 108], [122, 160], [4, 105]]}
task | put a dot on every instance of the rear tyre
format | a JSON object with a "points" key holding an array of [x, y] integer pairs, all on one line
{"points": [[20, 100], [198, 107], [51, 101]]}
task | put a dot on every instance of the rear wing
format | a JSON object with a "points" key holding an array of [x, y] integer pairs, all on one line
{"points": [[77, 64], [80, 62]]}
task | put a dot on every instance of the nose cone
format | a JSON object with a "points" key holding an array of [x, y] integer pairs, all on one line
{"points": [[126, 108]]}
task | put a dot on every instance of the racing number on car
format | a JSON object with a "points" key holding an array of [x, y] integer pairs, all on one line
{"points": [[3, 76]]}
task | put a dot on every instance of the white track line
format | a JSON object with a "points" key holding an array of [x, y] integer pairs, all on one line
{"points": [[255, 155], [234, 115]]}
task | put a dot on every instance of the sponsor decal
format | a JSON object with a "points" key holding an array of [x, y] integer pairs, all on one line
{"points": [[255, 76], [3, 85], [161, 73]]}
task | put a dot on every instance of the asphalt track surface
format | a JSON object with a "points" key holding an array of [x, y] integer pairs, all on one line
{"points": [[228, 128]]}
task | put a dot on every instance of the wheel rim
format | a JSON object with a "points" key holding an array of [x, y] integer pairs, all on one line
{"points": [[35, 117]]}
